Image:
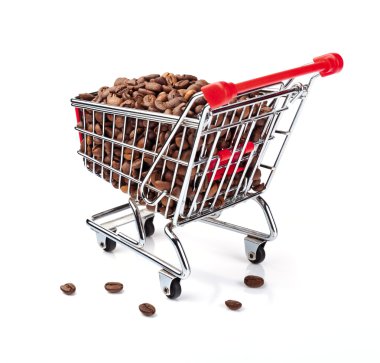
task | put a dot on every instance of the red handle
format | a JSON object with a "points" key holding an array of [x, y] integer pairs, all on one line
{"points": [[220, 93]]}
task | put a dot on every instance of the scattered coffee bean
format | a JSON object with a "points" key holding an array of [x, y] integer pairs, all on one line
{"points": [[113, 287], [147, 309], [254, 281], [68, 288], [233, 304]]}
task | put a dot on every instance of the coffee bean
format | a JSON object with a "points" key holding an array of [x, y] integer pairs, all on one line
{"points": [[254, 281], [233, 304], [259, 188], [147, 309], [113, 287], [68, 288]]}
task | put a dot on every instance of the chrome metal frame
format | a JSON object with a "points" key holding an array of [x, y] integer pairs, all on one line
{"points": [[280, 97]]}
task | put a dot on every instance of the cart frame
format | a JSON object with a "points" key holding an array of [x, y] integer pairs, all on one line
{"points": [[281, 95]]}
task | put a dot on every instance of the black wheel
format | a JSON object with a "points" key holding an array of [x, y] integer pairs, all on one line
{"points": [[149, 227], [109, 245], [260, 254], [175, 289]]}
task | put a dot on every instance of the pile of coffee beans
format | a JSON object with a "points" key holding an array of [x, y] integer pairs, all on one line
{"points": [[167, 93]]}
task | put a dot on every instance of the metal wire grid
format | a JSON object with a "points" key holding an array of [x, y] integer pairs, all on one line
{"points": [[233, 126]]}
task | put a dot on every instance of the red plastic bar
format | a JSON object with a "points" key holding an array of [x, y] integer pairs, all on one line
{"points": [[77, 114], [220, 93], [224, 156]]}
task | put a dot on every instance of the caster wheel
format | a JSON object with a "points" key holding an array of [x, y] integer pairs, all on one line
{"points": [[175, 289], [149, 227], [260, 255], [109, 245]]}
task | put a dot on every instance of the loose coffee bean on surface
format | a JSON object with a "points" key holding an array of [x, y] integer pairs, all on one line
{"points": [[254, 281], [233, 304], [113, 287], [147, 309], [68, 288]]}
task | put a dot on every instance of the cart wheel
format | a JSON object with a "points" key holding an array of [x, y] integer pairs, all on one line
{"points": [[175, 289], [149, 227], [109, 245], [260, 255]]}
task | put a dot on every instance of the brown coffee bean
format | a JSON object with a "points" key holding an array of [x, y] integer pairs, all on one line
{"points": [[150, 76], [168, 176], [253, 281], [173, 94], [86, 96], [188, 94], [187, 76], [259, 188], [213, 190], [233, 304], [128, 103], [147, 309], [257, 175], [180, 140], [120, 80], [177, 111], [149, 100], [153, 86], [162, 185], [161, 105], [171, 79], [194, 87], [113, 287], [68, 288], [219, 202], [114, 100], [182, 84], [166, 88], [97, 151], [174, 102], [161, 81]]}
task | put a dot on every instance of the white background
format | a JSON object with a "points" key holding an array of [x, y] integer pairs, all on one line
{"points": [[321, 298]]}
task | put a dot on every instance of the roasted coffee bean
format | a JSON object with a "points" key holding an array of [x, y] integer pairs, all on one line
{"points": [[153, 86], [147, 309], [259, 188], [161, 81], [257, 175], [162, 185], [182, 84], [150, 76], [174, 102], [68, 288], [86, 96], [254, 281], [113, 287], [233, 304]]}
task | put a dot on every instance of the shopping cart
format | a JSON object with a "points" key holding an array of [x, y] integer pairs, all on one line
{"points": [[216, 160]]}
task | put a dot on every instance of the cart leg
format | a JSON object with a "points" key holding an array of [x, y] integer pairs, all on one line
{"points": [[254, 241], [108, 237]]}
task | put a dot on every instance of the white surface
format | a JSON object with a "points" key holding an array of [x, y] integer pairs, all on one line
{"points": [[321, 298]]}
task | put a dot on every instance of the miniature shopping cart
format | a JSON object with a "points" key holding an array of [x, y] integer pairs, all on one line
{"points": [[225, 155]]}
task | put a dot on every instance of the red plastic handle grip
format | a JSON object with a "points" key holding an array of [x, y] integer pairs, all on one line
{"points": [[220, 93]]}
